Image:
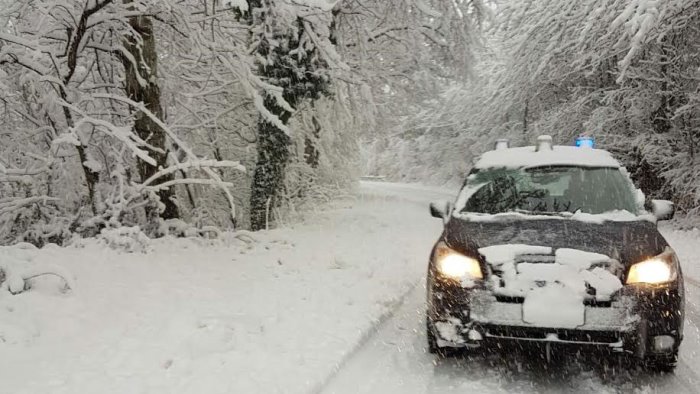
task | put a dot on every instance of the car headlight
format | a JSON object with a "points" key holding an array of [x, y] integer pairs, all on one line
{"points": [[455, 265], [656, 270]]}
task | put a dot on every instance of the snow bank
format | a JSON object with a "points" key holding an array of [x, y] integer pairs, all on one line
{"points": [[247, 312], [125, 239], [19, 268]]}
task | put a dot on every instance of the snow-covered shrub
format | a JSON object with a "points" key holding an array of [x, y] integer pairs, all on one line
{"points": [[125, 239], [180, 228], [18, 268], [176, 228]]}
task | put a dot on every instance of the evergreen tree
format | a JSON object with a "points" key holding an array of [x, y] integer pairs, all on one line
{"points": [[289, 58]]}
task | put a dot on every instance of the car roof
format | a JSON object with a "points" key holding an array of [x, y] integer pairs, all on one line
{"points": [[528, 156]]}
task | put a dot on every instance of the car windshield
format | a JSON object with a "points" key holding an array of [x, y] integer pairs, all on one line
{"points": [[548, 190]]}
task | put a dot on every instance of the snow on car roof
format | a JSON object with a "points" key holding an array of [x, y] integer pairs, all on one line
{"points": [[559, 155]]}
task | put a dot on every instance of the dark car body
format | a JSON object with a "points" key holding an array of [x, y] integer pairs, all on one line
{"points": [[642, 320]]}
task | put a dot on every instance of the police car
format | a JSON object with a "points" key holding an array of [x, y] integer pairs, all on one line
{"points": [[553, 245]]}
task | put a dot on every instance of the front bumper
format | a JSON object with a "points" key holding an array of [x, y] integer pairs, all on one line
{"points": [[639, 321]]}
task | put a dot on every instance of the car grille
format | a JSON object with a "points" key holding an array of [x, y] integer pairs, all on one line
{"points": [[562, 335]]}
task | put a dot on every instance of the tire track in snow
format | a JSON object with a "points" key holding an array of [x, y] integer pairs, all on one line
{"points": [[692, 309], [689, 356], [686, 377], [367, 335]]}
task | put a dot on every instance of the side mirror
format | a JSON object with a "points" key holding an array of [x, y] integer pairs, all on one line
{"points": [[441, 210], [663, 209]]}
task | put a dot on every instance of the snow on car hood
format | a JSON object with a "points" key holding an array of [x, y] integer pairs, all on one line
{"points": [[626, 242], [554, 285], [526, 268]]}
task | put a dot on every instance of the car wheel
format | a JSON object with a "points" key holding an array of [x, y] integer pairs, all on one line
{"points": [[666, 363]]}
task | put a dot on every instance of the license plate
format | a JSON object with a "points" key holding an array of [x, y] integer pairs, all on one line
{"points": [[554, 306]]}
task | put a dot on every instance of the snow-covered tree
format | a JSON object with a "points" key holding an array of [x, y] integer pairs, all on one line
{"points": [[293, 46], [129, 112], [80, 84]]}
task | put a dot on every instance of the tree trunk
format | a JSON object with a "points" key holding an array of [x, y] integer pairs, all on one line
{"points": [[91, 177], [311, 152], [273, 155], [149, 94]]}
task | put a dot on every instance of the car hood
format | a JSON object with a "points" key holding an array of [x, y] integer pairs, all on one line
{"points": [[628, 242]]}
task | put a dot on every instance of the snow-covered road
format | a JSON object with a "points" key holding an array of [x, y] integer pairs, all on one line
{"points": [[331, 305], [395, 360]]}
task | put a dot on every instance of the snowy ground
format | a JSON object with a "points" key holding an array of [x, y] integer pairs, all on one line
{"points": [[331, 305]]}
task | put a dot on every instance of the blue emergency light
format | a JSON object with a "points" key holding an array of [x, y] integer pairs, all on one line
{"points": [[585, 142]]}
